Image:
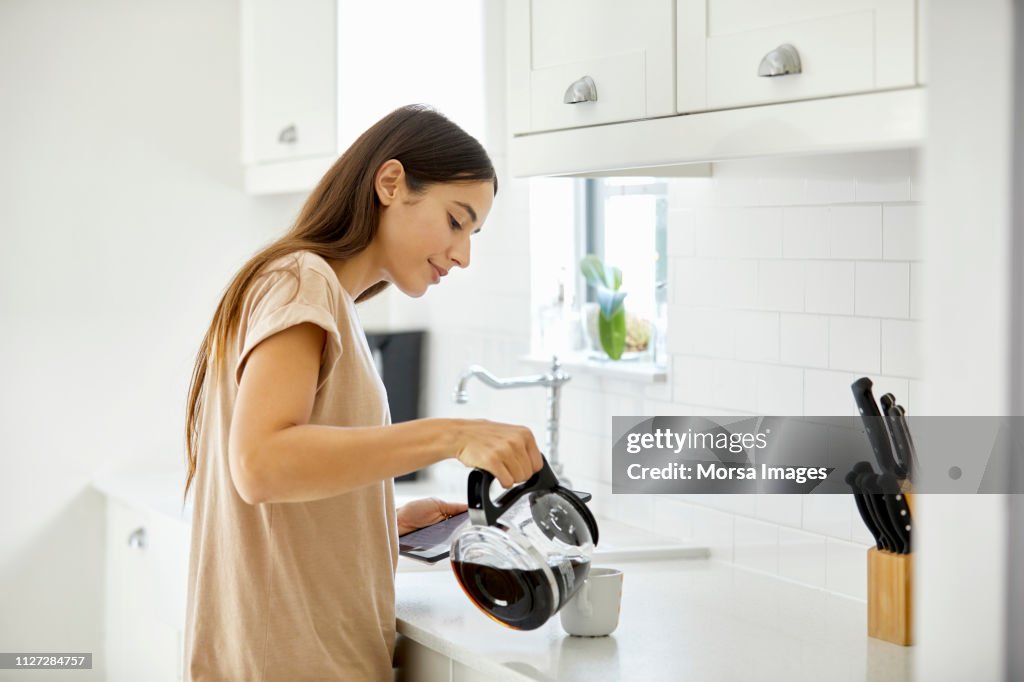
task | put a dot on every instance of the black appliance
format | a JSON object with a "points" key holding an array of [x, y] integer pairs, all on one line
{"points": [[399, 360]]}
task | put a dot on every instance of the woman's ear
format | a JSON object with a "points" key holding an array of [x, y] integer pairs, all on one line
{"points": [[389, 181]]}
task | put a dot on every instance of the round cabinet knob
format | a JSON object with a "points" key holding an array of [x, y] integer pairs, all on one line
{"points": [[583, 90], [288, 135], [781, 61], [137, 538]]}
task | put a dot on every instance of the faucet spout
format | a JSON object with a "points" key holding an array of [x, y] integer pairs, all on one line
{"points": [[551, 380]]}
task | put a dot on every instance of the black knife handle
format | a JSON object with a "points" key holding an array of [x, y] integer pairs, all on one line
{"points": [[899, 510], [872, 494], [862, 509], [900, 443], [904, 427], [874, 425]]}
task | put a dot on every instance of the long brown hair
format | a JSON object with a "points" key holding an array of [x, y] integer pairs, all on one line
{"points": [[340, 219]]}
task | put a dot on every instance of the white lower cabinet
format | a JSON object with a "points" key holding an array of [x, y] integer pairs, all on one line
{"points": [[416, 663], [145, 588], [462, 673]]}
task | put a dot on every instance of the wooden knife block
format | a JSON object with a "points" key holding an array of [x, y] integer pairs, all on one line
{"points": [[890, 596]]}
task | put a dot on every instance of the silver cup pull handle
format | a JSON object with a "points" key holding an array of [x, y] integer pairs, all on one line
{"points": [[288, 135], [782, 61], [137, 538], [583, 90]]}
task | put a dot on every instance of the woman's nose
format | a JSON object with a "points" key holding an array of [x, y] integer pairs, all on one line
{"points": [[460, 254]]}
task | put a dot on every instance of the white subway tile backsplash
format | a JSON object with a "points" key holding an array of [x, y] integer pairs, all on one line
{"points": [[757, 234], [855, 232], [757, 546], [673, 517], [830, 190], [780, 390], [736, 283], [756, 336], [854, 344], [715, 530], [803, 340], [805, 232], [784, 510], [828, 515], [582, 454], [780, 285], [900, 239], [694, 380], [846, 568], [633, 510], [681, 236], [781, 190], [827, 394], [715, 229], [802, 557], [734, 385], [829, 287], [714, 332], [860, 533], [901, 354], [917, 302], [681, 335], [883, 290], [884, 189]]}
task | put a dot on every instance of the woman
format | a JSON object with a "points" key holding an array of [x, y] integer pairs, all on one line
{"points": [[290, 446]]}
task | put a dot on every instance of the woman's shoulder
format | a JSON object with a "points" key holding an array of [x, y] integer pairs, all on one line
{"points": [[304, 261], [302, 273]]}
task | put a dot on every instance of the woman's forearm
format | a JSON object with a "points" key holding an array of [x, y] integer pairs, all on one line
{"points": [[313, 462]]}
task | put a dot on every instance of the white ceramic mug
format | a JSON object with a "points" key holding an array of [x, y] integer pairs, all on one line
{"points": [[594, 610]]}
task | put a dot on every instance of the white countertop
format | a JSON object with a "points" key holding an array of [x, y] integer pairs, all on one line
{"points": [[159, 491], [680, 620]]}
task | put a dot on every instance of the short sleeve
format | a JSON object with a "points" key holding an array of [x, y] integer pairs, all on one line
{"points": [[289, 293]]}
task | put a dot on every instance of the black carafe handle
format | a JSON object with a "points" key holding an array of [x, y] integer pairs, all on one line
{"points": [[483, 511]]}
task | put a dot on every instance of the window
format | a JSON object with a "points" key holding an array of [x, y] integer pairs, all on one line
{"points": [[623, 222], [625, 225]]}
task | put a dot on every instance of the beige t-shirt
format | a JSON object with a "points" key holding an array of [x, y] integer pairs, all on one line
{"points": [[293, 591]]}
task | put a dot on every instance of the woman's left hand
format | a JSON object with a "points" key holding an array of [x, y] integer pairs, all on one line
{"points": [[426, 512]]}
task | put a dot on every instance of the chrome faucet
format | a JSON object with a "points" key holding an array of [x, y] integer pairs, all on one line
{"points": [[552, 380]]}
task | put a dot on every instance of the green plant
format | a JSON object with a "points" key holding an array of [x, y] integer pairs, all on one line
{"points": [[611, 322]]}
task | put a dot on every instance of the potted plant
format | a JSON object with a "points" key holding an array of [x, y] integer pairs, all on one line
{"points": [[611, 322]]}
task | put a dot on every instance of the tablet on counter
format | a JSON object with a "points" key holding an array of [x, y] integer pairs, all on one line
{"points": [[432, 543]]}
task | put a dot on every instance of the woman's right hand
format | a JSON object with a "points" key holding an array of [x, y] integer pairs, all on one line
{"points": [[508, 451]]}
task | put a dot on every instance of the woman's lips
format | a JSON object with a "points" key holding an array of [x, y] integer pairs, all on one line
{"points": [[437, 273]]}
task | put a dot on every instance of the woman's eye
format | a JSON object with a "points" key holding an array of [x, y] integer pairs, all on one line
{"points": [[454, 223]]}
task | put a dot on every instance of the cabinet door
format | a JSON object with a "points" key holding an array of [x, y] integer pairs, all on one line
{"points": [[139, 645], [288, 79], [844, 47], [414, 662], [626, 49]]}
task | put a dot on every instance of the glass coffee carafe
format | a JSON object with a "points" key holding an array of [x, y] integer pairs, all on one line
{"points": [[524, 555]]}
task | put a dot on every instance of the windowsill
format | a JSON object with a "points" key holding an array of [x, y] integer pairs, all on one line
{"points": [[640, 371]]}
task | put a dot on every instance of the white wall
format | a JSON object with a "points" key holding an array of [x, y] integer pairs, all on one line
{"points": [[962, 550], [122, 220]]}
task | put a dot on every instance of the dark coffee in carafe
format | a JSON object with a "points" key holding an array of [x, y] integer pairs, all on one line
{"points": [[520, 599]]}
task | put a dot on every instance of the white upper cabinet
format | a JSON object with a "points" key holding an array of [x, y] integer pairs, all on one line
{"points": [[687, 83], [317, 73], [614, 59], [288, 79], [736, 53]]}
